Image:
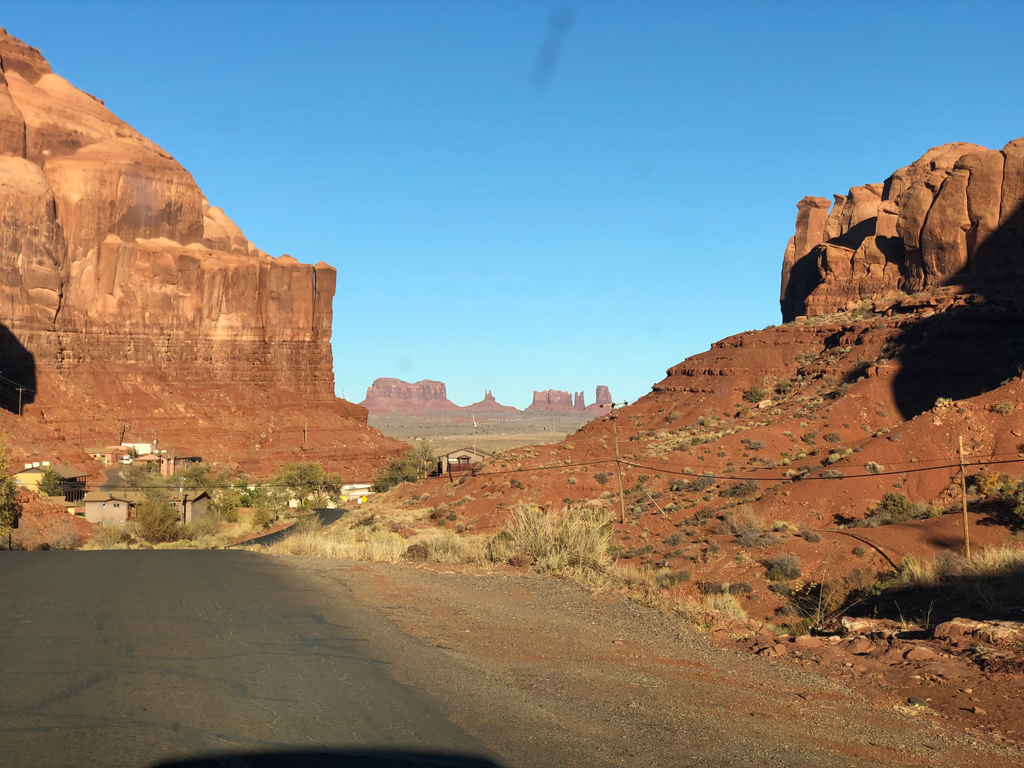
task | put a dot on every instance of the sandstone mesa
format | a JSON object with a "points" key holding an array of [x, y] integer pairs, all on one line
{"points": [[131, 305]]}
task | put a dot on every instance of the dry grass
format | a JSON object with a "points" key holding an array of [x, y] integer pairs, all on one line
{"points": [[571, 543]]}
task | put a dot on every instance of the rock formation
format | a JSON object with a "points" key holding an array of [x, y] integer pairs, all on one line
{"points": [[551, 400], [490, 405], [394, 395], [951, 217], [135, 299], [602, 398]]}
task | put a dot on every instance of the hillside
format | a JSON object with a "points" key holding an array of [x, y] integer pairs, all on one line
{"points": [[778, 441], [133, 307]]}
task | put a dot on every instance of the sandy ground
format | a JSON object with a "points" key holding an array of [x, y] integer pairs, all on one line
{"points": [[602, 676]]}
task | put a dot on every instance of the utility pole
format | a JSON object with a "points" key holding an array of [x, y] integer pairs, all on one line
{"points": [[618, 461], [963, 493], [20, 390], [305, 432]]}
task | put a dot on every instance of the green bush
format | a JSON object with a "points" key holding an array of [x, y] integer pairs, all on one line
{"points": [[1003, 408], [416, 464], [51, 483], [741, 489], [755, 395], [602, 477], [833, 437], [158, 521]]}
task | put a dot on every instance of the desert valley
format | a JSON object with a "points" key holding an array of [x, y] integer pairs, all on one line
{"points": [[816, 524]]}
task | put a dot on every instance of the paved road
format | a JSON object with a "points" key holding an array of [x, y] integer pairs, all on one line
{"points": [[169, 657], [327, 516]]}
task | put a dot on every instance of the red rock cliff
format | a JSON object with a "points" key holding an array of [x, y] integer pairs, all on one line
{"points": [[952, 216], [135, 299], [392, 395]]}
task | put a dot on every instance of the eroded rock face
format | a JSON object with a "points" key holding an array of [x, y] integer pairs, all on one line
{"points": [[114, 268], [490, 405], [394, 395], [551, 400], [951, 217]]}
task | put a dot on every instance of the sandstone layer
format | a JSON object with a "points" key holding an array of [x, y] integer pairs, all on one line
{"points": [[952, 217], [130, 304]]}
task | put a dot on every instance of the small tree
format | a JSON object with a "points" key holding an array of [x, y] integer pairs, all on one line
{"points": [[51, 484], [10, 500], [158, 521]]}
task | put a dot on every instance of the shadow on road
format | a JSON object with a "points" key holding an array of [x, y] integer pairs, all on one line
{"points": [[335, 758]]}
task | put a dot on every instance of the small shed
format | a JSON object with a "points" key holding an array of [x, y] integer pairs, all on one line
{"points": [[191, 505], [461, 460]]}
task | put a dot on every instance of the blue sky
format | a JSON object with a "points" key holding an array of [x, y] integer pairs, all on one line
{"points": [[502, 226]]}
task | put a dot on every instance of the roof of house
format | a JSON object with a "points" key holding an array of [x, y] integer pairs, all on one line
{"points": [[475, 451], [105, 449], [132, 497], [68, 472]]}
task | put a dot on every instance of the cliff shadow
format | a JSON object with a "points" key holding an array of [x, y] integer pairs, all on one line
{"points": [[967, 351], [17, 373]]}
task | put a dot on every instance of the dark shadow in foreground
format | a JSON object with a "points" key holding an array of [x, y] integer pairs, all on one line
{"points": [[17, 372], [333, 758]]}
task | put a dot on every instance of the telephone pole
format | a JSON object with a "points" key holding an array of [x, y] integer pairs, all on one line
{"points": [[305, 432], [963, 494], [20, 390], [618, 461]]}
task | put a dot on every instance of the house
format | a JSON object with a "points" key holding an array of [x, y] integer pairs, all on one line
{"points": [[109, 454], [461, 460], [112, 507], [171, 463], [191, 505], [72, 479]]}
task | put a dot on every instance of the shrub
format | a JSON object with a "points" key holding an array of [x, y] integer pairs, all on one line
{"points": [[874, 468], [782, 386], [576, 538], [602, 477], [669, 579], [860, 551], [711, 588], [752, 538], [809, 437], [704, 514], [812, 536], [744, 488], [741, 588], [1002, 407], [158, 521], [675, 538], [414, 465], [832, 474], [755, 395], [701, 483], [833, 437], [783, 567], [678, 485]]}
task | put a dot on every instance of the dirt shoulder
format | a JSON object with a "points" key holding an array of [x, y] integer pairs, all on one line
{"points": [[546, 673]]}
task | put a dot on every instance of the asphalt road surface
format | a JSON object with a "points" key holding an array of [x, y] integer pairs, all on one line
{"points": [[326, 516], [199, 658]]}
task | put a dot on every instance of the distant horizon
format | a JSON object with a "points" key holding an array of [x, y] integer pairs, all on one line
{"points": [[485, 391], [521, 197]]}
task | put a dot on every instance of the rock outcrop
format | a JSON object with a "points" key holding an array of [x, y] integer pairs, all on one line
{"points": [[490, 405], [135, 298], [602, 398], [551, 400], [396, 396], [951, 217]]}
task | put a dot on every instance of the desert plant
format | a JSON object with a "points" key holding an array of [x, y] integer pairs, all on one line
{"points": [[833, 437], [10, 499], [753, 538], [743, 488], [158, 521], [602, 477], [576, 537], [874, 468], [701, 483], [755, 394], [783, 567], [1002, 407], [675, 538]]}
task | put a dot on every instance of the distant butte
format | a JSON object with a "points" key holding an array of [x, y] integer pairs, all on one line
{"points": [[428, 397]]}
